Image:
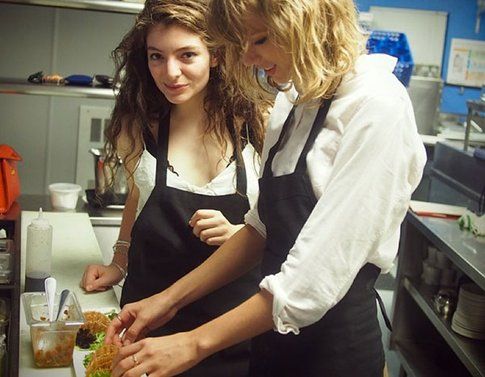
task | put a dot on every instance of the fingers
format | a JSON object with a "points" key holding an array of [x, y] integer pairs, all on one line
{"points": [[116, 326], [203, 214], [132, 333], [128, 361], [91, 273], [96, 278]]}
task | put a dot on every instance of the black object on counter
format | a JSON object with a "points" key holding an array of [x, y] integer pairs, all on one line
{"points": [[102, 200]]}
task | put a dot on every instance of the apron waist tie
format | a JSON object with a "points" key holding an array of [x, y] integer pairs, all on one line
{"points": [[383, 311]]}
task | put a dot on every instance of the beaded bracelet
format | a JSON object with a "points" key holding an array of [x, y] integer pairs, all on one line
{"points": [[121, 269]]}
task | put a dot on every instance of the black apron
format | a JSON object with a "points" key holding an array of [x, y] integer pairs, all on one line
{"points": [[164, 249], [347, 340]]}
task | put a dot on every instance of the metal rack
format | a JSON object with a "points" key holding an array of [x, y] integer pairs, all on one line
{"points": [[423, 340], [17, 86], [94, 5]]}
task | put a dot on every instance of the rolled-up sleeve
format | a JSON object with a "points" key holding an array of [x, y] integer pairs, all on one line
{"points": [[378, 165], [252, 218]]}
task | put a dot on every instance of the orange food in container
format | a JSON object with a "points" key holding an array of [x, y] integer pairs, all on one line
{"points": [[52, 342]]}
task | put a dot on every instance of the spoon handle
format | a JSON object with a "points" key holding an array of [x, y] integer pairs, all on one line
{"points": [[50, 286], [62, 301]]}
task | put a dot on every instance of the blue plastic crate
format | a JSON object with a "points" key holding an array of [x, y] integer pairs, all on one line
{"points": [[394, 44]]}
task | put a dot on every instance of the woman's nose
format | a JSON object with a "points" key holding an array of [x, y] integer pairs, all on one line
{"points": [[249, 57], [173, 68]]}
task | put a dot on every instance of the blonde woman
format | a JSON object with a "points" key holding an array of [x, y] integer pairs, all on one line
{"points": [[341, 159]]}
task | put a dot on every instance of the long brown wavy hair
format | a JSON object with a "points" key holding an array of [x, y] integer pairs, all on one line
{"points": [[322, 38], [140, 102]]}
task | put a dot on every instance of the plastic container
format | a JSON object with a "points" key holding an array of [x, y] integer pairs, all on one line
{"points": [[64, 196], [394, 44], [39, 254], [52, 342]]}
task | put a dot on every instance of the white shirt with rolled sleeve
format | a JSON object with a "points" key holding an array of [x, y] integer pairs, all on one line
{"points": [[365, 163]]}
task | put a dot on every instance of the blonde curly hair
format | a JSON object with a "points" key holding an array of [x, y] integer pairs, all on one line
{"points": [[322, 38]]}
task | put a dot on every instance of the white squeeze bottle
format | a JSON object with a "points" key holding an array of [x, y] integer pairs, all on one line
{"points": [[39, 254]]}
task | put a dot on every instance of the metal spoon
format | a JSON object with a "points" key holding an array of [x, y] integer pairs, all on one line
{"points": [[62, 301], [50, 285]]}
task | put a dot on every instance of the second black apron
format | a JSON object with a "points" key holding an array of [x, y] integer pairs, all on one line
{"points": [[164, 249], [347, 340]]}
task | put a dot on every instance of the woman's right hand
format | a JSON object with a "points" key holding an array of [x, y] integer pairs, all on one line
{"points": [[139, 318], [97, 277]]}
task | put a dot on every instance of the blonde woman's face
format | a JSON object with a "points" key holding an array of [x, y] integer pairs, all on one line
{"points": [[179, 63], [263, 53]]}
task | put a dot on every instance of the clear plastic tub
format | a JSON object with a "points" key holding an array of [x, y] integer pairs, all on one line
{"points": [[52, 342]]}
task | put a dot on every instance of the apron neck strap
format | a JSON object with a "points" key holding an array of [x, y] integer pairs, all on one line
{"points": [[162, 157], [316, 127]]}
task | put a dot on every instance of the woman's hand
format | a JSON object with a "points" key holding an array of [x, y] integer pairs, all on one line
{"points": [[97, 277], [212, 227], [163, 356], [139, 318]]}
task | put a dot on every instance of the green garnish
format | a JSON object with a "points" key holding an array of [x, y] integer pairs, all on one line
{"points": [[111, 315], [87, 359], [98, 342]]}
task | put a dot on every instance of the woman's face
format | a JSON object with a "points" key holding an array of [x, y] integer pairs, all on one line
{"points": [[179, 63], [263, 53]]}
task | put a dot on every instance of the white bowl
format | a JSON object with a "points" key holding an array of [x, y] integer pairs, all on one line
{"points": [[64, 195]]}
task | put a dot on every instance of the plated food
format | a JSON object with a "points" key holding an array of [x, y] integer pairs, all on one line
{"points": [[90, 337], [101, 360]]}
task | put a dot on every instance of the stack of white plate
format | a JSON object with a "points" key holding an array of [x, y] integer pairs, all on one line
{"points": [[469, 317]]}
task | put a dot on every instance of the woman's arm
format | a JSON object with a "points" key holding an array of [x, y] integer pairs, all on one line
{"points": [[99, 277], [174, 354], [234, 258]]}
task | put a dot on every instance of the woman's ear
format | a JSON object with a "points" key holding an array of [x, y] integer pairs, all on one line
{"points": [[214, 61]]}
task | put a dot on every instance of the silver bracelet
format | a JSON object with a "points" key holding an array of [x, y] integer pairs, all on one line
{"points": [[121, 244], [121, 269]]}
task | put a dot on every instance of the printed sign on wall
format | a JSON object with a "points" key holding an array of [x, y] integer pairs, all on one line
{"points": [[466, 64]]}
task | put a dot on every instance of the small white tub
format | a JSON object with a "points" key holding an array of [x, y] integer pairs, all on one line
{"points": [[64, 196]]}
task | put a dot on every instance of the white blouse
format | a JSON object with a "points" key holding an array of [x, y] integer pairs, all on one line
{"points": [[363, 167], [222, 184]]}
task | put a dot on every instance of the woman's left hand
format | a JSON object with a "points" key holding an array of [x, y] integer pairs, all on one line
{"points": [[163, 356], [212, 227]]}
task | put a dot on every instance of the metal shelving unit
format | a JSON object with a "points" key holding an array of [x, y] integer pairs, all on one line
{"points": [[16, 86], [423, 340], [470, 352], [112, 6]]}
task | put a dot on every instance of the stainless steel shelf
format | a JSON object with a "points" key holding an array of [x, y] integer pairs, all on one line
{"points": [[464, 250], [417, 361], [112, 6], [470, 352], [13, 86]]}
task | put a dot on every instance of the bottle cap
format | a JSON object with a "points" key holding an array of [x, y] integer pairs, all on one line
{"points": [[40, 221]]}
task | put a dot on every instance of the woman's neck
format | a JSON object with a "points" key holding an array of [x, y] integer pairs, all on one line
{"points": [[190, 115]]}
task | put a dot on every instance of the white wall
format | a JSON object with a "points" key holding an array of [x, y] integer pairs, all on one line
{"points": [[44, 129]]}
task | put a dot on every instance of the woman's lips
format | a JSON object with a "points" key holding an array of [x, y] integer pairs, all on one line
{"points": [[176, 87], [271, 70]]}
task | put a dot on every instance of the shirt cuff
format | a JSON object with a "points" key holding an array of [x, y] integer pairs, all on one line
{"points": [[252, 218], [281, 322]]}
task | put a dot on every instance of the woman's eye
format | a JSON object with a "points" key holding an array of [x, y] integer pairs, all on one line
{"points": [[154, 56], [261, 41], [188, 55]]}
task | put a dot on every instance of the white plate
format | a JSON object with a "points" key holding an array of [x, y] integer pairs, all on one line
{"points": [[77, 362]]}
